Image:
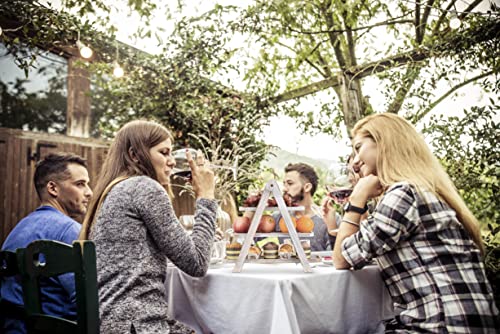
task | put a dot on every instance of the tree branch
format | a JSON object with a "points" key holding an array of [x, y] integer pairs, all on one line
{"points": [[359, 71], [469, 9], [417, 20], [442, 17], [339, 31], [423, 23], [321, 60], [411, 75], [417, 117], [334, 38]]}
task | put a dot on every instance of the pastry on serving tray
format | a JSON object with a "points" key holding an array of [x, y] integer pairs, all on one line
{"points": [[254, 252], [270, 250], [233, 250]]}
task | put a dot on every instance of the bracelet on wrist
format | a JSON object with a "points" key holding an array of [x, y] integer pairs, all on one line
{"points": [[350, 222]]}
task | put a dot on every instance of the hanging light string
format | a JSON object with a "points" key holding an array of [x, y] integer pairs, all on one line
{"points": [[85, 51], [454, 20], [117, 70]]}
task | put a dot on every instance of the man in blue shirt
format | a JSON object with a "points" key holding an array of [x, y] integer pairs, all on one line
{"points": [[62, 184]]}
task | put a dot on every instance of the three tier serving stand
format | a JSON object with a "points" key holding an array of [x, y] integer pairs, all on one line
{"points": [[273, 189]]}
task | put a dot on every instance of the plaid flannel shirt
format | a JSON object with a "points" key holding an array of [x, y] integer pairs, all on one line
{"points": [[429, 263]]}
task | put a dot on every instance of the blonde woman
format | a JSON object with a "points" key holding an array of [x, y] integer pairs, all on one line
{"points": [[424, 239], [133, 224]]}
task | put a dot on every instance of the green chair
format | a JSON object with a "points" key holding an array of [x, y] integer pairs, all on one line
{"points": [[9, 268], [60, 258]]}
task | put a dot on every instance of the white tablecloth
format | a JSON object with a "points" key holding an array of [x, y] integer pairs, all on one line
{"points": [[279, 298]]}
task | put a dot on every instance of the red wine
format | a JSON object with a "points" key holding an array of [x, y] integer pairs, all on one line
{"points": [[340, 195], [182, 173]]}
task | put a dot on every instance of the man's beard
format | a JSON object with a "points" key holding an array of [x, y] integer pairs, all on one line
{"points": [[299, 197]]}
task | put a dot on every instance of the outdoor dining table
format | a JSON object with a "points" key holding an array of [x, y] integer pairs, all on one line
{"points": [[279, 298]]}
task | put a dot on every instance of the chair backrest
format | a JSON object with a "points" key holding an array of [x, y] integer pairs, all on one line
{"points": [[9, 268], [59, 258], [8, 264]]}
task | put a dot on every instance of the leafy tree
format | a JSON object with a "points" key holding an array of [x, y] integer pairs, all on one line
{"points": [[330, 47]]}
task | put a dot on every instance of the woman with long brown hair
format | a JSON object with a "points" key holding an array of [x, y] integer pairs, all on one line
{"points": [[135, 229], [422, 235]]}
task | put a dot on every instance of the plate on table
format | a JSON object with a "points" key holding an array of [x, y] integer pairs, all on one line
{"points": [[327, 260]]}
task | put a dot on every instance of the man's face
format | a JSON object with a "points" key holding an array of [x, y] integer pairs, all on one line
{"points": [[74, 193], [293, 185]]}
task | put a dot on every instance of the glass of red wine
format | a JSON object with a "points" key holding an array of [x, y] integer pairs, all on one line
{"points": [[339, 182]]}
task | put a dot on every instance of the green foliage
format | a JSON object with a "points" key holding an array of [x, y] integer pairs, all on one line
{"points": [[36, 111]]}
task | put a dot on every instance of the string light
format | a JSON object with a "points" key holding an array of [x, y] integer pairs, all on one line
{"points": [[455, 22], [118, 70], [85, 51]]}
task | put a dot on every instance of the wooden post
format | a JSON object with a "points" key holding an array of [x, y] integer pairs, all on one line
{"points": [[78, 116]]}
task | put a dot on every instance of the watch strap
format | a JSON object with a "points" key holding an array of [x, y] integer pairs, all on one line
{"points": [[357, 209]]}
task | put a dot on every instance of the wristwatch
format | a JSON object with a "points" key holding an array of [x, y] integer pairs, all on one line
{"points": [[349, 207]]}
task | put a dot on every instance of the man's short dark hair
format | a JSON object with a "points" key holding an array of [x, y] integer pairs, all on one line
{"points": [[54, 167], [305, 171]]}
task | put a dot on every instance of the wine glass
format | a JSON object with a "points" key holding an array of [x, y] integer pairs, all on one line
{"points": [[183, 170], [339, 182], [187, 222]]}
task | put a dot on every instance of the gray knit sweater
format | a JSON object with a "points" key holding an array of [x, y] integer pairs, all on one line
{"points": [[135, 231]]}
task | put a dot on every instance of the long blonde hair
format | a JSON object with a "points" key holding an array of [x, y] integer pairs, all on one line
{"points": [[138, 136], [403, 155]]}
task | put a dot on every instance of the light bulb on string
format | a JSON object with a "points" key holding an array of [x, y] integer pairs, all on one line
{"points": [[455, 22], [85, 51], [118, 71]]}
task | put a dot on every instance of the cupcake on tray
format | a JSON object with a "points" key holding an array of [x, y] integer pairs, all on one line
{"points": [[254, 253], [270, 250], [285, 251], [233, 251]]}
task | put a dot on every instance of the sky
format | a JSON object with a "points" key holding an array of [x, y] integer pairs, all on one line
{"points": [[284, 131]]}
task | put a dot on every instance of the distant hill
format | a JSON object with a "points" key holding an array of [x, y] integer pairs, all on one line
{"points": [[277, 159]]}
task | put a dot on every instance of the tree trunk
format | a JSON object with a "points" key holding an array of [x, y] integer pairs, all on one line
{"points": [[351, 97]]}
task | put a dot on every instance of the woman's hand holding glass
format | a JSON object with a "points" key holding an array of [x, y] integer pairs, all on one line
{"points": [[202, 177]]}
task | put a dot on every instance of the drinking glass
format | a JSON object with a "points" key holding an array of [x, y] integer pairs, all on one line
{"points": [[183, 170], [187, 221], [339, 182]]}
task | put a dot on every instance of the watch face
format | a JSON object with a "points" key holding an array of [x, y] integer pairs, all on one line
{"points": [[349, 207]]}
